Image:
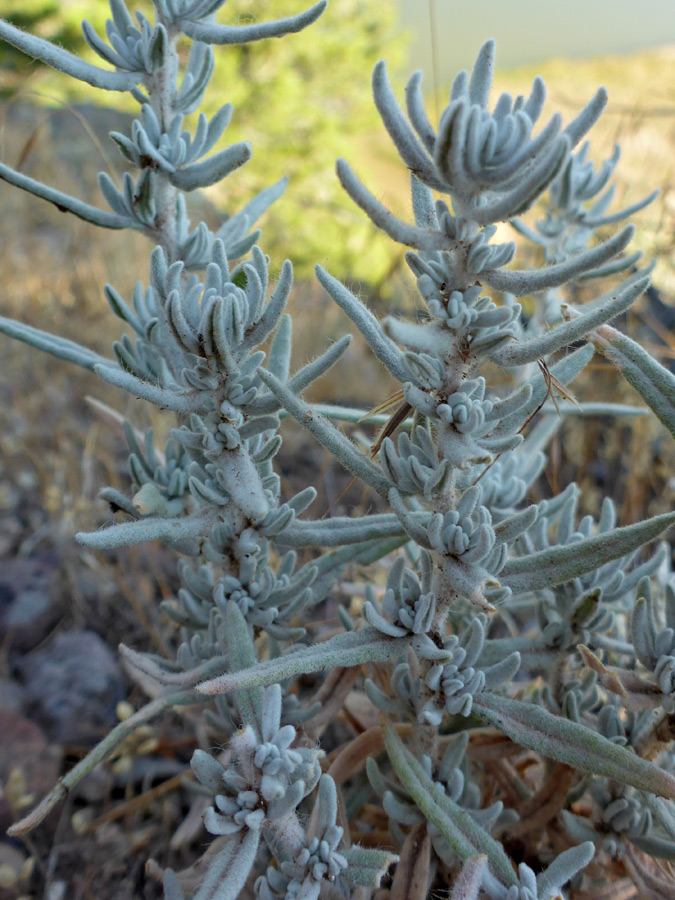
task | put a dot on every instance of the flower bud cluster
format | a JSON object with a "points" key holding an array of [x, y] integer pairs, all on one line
{"points": [[267, 777], [318, 862], [132, 48], [455, 680], [408, 605]]}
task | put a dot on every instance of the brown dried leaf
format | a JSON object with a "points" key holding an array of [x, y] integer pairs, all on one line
{"points": [[412, 872]]}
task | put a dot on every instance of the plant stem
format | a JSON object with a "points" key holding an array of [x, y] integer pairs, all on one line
{"points": [[162, 91]]}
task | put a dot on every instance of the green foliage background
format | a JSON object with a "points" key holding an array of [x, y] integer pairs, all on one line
{"points": [[301, 102]]}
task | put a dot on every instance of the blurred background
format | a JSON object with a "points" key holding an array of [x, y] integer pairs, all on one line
{"points": [[302, 102], [531, 32]]}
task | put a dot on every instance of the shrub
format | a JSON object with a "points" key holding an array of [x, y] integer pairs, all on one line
{"points": [[520, 660]]}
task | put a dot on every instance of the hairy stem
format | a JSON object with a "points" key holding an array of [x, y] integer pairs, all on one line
{"points": [[162, 91]]}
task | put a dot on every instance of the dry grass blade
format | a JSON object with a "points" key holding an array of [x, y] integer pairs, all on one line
{"points": [[486, 745], [654, 878], [552, 383], [116, 420], [28, 148], [412, 872], [337, 499], [332, 695], [396, 419], [352, 758], [88, 129], [396, 397], [142, 801], [538, 811], [507, 780]]}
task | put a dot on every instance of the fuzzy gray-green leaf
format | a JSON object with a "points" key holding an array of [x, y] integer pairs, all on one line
{"points": [[350, 649], [559, 564], [569, 742]]}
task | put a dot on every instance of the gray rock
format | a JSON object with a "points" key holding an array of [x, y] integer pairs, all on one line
{"points": [[27, 608], [11, 695], [73, 686]]}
